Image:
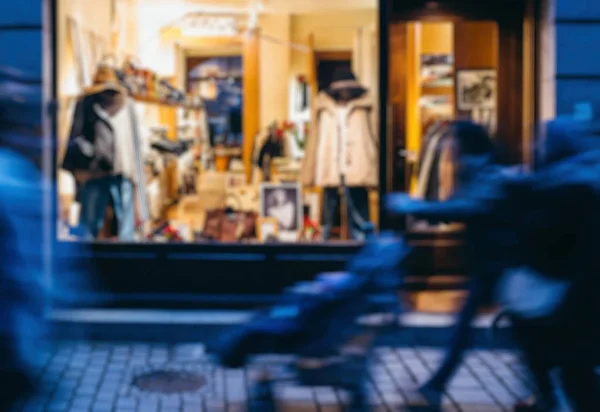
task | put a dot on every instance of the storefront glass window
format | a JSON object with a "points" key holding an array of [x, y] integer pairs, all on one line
{"points": [[190, 122]]}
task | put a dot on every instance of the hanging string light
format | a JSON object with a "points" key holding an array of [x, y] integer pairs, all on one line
{"points": [[212, 24]]}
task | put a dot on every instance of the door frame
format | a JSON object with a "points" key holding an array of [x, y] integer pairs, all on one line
{"points": [[508, 18]]}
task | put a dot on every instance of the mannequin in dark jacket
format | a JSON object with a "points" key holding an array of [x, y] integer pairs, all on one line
{"points": [[104, 155]]}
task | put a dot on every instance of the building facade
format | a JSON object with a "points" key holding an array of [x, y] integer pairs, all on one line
{"points": [[564, 79]]}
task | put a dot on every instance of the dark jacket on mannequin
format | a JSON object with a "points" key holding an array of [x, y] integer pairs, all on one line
{"points": [[91, 144], [93, 147]]}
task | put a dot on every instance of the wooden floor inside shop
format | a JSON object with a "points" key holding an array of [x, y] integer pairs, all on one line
{"points": [[441, 302]]}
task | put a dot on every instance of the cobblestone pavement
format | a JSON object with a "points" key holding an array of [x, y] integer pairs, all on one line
{"points": [[100, 377]]}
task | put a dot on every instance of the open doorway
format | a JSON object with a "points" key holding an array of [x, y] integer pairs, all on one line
{"points": [[455, 63], [218, 81], [447, 61]]}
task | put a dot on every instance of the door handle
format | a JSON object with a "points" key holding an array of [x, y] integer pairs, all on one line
{"points": [[409, 155]]}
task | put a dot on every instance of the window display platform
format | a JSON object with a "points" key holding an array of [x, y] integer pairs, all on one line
{"points": [[209, 275]]}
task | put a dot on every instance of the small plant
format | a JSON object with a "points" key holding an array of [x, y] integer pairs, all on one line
{"points": [[292, 128], [171, 234]]}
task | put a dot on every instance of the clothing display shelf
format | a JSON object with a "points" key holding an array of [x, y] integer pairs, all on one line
{"points": [[152, 100], [155, 101]]}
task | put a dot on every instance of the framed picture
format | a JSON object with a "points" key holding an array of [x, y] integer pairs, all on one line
{"points": [[283, 202], [267, 229], [476, 89], [437, 70]]}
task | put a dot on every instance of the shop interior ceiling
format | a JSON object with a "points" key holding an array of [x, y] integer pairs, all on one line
{"points": [[289, 6], [249, 10], [246, 12], [273, 6]]}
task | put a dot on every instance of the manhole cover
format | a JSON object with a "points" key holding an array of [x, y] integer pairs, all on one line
{"points": [[170, 382]]}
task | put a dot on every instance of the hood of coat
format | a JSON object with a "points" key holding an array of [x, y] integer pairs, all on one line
{"points": [[326, 103]]}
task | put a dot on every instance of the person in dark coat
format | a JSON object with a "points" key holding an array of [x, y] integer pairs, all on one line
{"points": [[560, 227], [479, 186], [26, 290], [545, 223]]}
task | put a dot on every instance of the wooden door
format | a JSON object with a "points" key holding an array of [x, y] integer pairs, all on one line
{"points": [[512, 115], [396, 177]]}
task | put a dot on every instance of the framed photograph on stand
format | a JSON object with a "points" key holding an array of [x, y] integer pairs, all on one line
{"points": [[283, 202], [476, 89], [267, 229]]}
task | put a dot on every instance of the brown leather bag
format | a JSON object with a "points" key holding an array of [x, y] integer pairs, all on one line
{"points": [[213, 224], [248, 230], [230, 226]]}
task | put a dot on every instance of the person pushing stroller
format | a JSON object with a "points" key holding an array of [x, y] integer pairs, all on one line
{"points": [[516, 222]]}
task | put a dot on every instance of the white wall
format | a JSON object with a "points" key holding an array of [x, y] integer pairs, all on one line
{"points": [[152, 50], [275, 61]]}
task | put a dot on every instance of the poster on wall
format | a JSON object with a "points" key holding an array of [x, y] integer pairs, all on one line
{"points": [[476, 89], [437, 70]]}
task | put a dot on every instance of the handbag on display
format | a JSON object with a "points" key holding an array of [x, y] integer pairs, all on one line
{"points": [[212, 224], [237, 226], [228, 225], [246, 219]]}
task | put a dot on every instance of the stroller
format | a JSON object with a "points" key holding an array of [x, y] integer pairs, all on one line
{"points": [[329, 324]]}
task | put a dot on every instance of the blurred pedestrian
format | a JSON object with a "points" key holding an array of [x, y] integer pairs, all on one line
{"points": [[479, 185], [22, 283], [26, 291], [559, 229], [540, 230]]}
